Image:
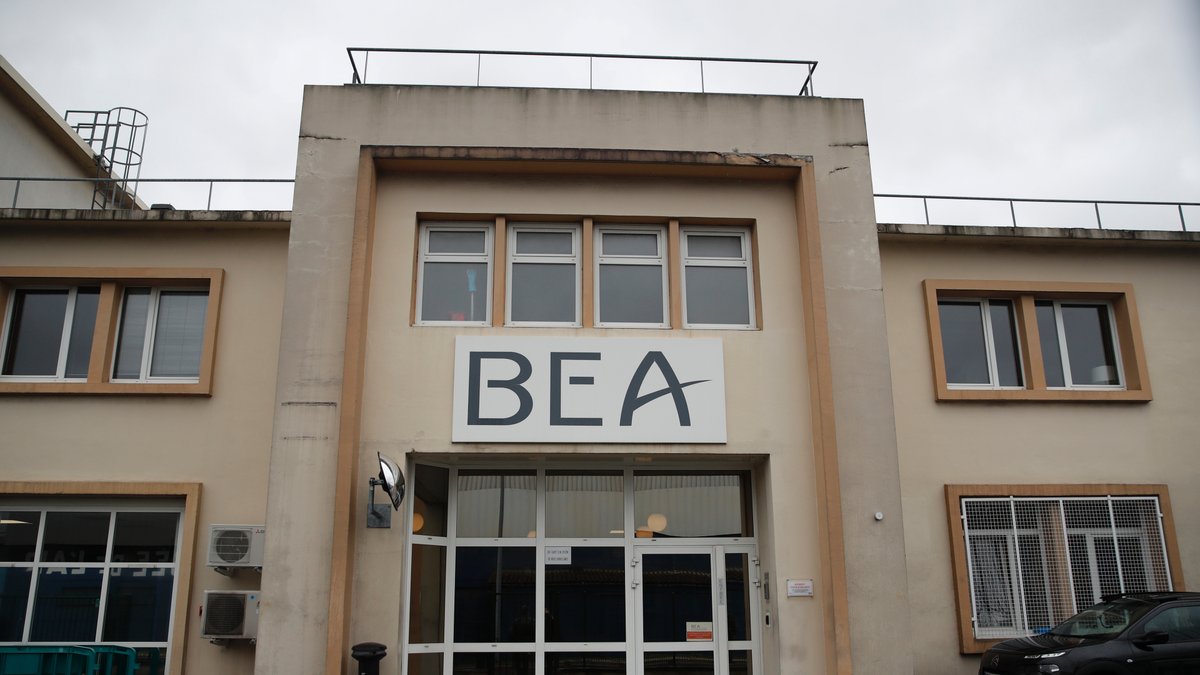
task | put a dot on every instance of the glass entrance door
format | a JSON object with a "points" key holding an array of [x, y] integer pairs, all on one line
{"points": [[695, 608]]}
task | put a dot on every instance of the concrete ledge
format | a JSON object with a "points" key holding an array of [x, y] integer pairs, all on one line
{"points": [[1033, 235], [138, 218]]}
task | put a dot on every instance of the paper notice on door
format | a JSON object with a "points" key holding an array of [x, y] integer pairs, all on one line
{"points": [[558, 555], [799, 588], [699, 631]]}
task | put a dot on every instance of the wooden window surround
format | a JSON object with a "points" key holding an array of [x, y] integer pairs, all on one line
{"points": [[968, 643], [1024, 294], [499, 254], [189, 492], [112, 282]]}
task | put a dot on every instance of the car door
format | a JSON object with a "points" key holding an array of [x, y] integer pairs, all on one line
{"points": [[1180, 654]]}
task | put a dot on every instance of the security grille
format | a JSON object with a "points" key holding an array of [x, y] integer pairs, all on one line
{"points": [[1036, 561]]}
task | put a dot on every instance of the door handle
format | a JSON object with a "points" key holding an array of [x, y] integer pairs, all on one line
{"points": [[634, 584]]}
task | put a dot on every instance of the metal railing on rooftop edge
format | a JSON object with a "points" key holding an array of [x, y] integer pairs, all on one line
{"points": [[806, 89], [1012, 201], [210, 181]]}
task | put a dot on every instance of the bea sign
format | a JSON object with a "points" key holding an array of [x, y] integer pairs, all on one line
{"points": [[588, 390]]}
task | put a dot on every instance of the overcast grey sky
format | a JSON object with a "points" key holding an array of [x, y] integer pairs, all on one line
{"points": [[1090, 100]]}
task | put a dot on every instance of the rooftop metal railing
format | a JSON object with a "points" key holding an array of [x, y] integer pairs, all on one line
{"points": [[17, 181], [806, 89], [1147, 220]]}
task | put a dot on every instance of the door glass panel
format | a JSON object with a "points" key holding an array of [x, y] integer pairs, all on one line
{"points": [[676, 591], [497, 503], [585, 504], [679, 663], [483, 663], [736, 565], [585, 601], [494, 594], [691, 505], [1181, 624], [425, 664], [427, 593], [740, 662], [67, 604], [591, 663], [430, 490]]}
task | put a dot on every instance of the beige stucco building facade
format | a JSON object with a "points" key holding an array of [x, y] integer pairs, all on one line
{"points": [[667, 399]]}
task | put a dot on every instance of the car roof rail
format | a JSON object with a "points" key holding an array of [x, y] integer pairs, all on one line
{"points": [[1159, 596]]}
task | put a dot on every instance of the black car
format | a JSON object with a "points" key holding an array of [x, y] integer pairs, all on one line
{"points": [[1128, 634]]}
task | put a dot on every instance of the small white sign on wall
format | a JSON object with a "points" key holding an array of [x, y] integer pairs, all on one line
{"points": [[799, 588], [558, 555], [588, 390]]}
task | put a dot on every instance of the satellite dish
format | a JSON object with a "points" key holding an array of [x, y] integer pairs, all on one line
{"points": [[391, 479]]}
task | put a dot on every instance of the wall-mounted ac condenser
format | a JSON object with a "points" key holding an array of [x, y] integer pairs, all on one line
{"points": [[230, 615], [236, 545]]}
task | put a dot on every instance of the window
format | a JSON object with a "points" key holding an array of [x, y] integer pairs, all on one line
{"points": [[544, 275], [108, 330], [979, 343], [624, 274], [1035, 341], [49, 332], [1083, 333], [84, 574], [1027, 563], [161, 334], [631, 277], [455, 276], [718, 288]]}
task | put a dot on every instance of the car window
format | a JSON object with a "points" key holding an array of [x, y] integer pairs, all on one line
{"points": [[1182, 624], [1105, 620]]}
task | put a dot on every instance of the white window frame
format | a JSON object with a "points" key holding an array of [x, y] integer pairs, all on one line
{"points": [[151, 329], [487, 257], [745, 261], [575, 258], [1064, 357], [633, 646], [989, 342], [602, 259], [64, 344], [99, 506]]}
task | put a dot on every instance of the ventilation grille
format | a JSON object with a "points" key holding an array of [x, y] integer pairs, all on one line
{"points": [[231, 546], [225, 614]]}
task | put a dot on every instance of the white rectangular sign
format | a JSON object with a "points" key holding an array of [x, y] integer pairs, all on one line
{"points": [[588, 390], [558, 555], [799, 588]]}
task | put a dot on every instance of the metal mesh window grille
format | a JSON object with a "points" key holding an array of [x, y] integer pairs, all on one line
{"points": [[1036, 561]]}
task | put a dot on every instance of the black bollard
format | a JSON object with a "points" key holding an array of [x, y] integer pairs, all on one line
{"points": [[368, 655]]}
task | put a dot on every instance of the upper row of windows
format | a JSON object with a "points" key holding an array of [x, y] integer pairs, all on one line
{"points": [[982, 347], [50, 331], [544, 271]]}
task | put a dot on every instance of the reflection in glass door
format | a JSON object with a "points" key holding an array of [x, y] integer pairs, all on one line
{"points": [[694, 610]]}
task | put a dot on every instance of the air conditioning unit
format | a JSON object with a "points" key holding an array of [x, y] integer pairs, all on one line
{"points": [[230, 615], [236, 545]]}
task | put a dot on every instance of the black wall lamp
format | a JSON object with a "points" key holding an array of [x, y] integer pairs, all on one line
{"points": [[392, 482]]}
